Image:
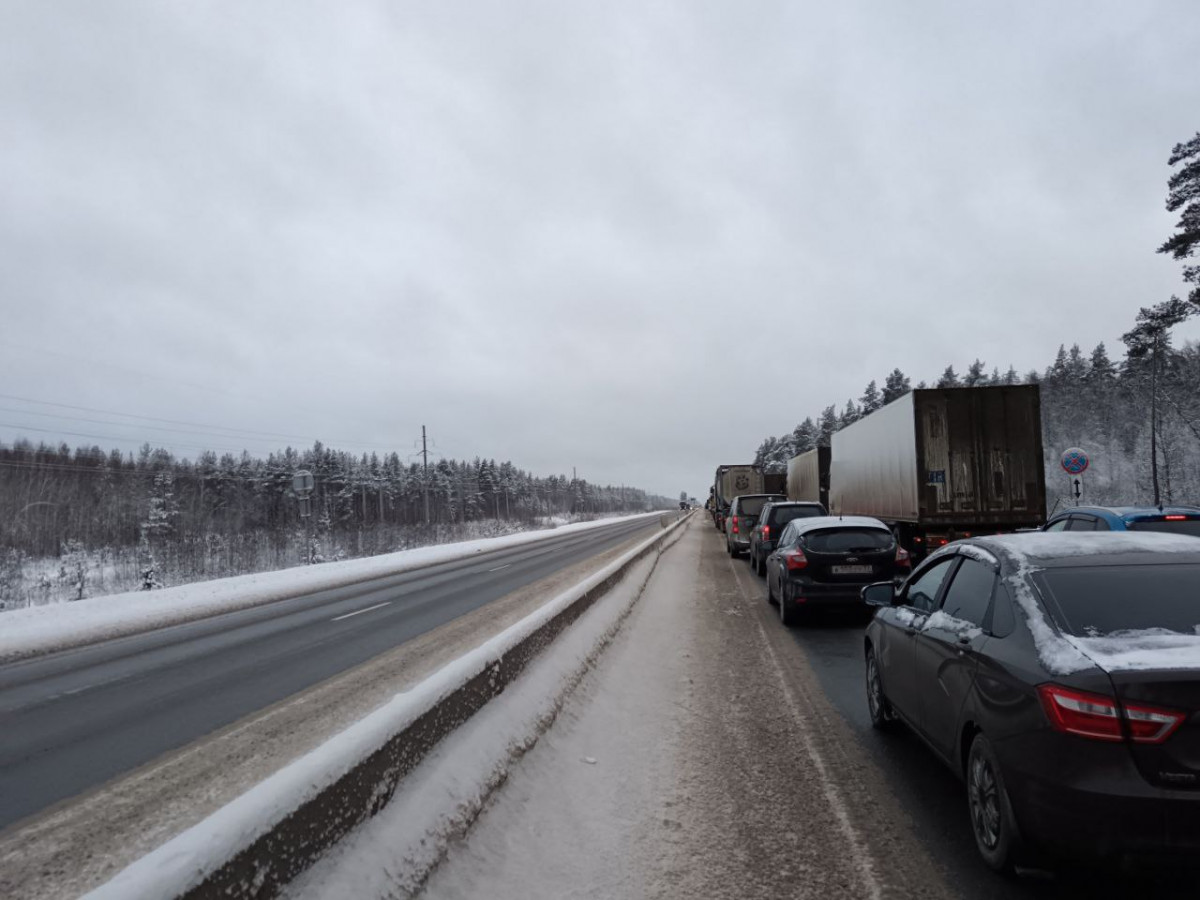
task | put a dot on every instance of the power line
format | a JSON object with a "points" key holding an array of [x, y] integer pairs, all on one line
{"points": [[235, 432], [32, 412], [109, 437]]}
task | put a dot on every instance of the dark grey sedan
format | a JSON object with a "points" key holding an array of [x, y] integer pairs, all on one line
{"points": [[1059, 676], [824, 562]]}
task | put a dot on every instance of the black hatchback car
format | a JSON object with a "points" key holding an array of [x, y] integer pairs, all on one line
{"points": [[770, 525], [824, 562], [1059, 675]]}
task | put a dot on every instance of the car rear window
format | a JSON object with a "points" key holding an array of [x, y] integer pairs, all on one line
{"points": [[847, 540], [751, 506], [1107, 599], [1189, 527], [781, 515]]}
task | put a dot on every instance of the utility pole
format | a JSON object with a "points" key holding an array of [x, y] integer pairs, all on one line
{"points": [[1154, 422], [425, 457]]}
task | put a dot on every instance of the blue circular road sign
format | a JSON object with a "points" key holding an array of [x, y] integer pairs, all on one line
{"points": [[1074, 461]]}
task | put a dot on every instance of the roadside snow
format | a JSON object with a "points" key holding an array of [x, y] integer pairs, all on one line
{"points": [[43, 629], [185, 860]]}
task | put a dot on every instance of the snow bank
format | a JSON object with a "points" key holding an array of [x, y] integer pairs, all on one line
{"points": [[42, 629], [186, 860]]}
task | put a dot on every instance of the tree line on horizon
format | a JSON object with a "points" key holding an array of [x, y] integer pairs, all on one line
{"points": [[1138, 418], [52, 496]]}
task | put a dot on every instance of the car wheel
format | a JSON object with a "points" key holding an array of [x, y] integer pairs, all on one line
{"points": [[761, 568], [882, 716], [992, 819], [770, 592], [787, 612]]}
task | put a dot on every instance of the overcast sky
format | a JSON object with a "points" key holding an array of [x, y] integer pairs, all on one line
{"points": [[633, 238]]}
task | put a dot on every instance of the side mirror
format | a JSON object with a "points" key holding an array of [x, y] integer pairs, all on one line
{"points": [[881, 593]]}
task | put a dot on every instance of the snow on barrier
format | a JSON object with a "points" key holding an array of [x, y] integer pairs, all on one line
{"points": [[256, 844]]}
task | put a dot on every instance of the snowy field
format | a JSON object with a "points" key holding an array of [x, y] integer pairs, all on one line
{"points": [[43, 629]]}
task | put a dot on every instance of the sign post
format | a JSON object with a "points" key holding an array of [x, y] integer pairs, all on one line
{"points": [[302, 485], [1075, 462]]}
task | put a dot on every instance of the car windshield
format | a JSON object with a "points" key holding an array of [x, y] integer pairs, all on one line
{"points": [[847, 540], [1102, 600], [785, 514], [751, 506], [1190, 527]]}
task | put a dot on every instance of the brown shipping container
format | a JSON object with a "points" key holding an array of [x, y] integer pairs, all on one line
{"points": [[952, 457]]}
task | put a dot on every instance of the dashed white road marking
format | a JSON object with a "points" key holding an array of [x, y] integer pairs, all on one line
{"points": [[359, 612], [498, 568]]}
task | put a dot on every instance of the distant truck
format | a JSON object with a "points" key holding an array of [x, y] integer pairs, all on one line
{"points": [[808, 477], [941, 464], [732, 481]]}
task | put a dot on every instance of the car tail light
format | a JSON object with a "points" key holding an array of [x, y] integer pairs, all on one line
{"points": [[1148, 725], [766, 532], [795, 559], [1099, 717], [1175, 518], [903, 560], [735, 528]]}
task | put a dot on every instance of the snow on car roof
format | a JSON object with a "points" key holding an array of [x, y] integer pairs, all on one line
{"points": [[815, 522], [1045, 546]]}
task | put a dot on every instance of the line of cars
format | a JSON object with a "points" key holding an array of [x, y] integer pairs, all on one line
{"points": [[1056, 672]]}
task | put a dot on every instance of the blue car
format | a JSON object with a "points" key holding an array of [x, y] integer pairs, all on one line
{"points": [[1172, 519]]}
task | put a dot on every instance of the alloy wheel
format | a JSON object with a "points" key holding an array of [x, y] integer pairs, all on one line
{"points": [[984, 796]]}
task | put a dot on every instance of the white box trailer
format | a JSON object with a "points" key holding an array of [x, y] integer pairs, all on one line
{"points": [[808, 476]]}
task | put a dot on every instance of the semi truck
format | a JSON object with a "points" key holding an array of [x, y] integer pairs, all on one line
{"points": [[732, 481], [944, 463], [808, 477]]}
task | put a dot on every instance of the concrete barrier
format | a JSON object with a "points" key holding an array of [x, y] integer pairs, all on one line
{"points": [[264, 839]]}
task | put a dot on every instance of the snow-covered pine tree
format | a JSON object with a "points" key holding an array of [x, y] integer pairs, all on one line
{"points": [[895, 385], [804, 436], [1183, 192], [828, 425], [871, 399], [975, 375], [949, 378]]}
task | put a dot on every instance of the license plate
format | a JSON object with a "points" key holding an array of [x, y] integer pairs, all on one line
{"points": [[853, 570]]}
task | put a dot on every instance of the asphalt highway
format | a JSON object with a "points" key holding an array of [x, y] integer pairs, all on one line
{"points": [[73, 720]]}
